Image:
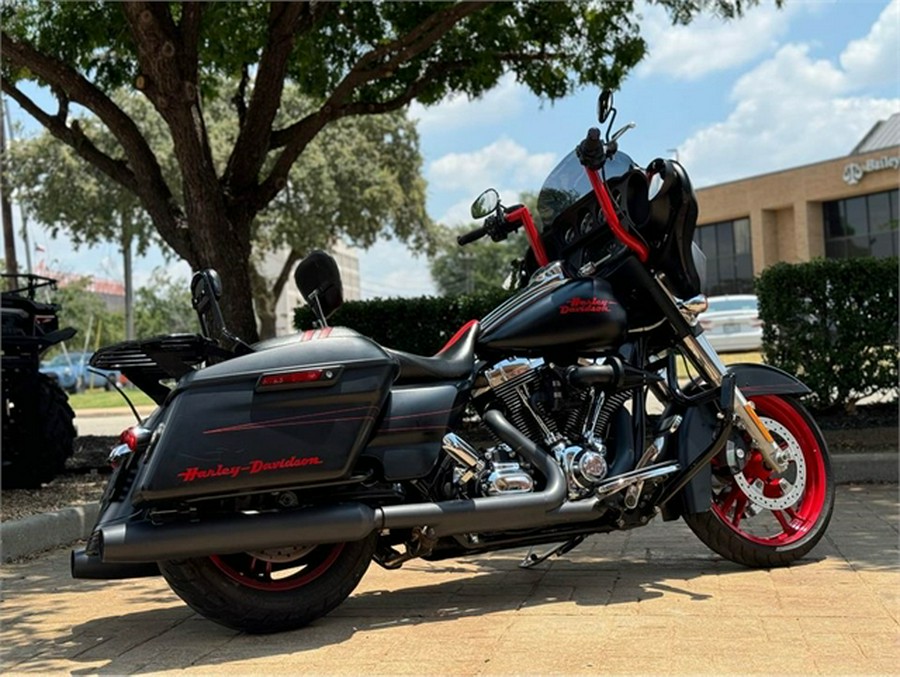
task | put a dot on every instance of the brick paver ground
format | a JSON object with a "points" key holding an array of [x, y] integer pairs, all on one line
{"points": [[652, 601]]}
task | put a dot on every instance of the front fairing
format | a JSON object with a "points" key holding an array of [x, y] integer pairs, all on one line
{"points": [[568, 183]]}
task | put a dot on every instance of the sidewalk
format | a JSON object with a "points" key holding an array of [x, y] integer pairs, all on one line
{"points": [[20, 538], [646, 602]]}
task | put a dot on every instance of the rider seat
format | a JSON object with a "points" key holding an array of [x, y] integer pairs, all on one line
{"points": [[455, 360]]}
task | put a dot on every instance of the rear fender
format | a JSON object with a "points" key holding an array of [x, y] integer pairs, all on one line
{"points": [[700, 423]]}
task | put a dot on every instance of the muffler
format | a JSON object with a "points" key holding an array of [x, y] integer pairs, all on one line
{"points": [[83, 565], [145, 542]]}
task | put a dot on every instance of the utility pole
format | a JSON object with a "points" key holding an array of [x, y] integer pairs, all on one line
{"points": [[23, 217], [9, 242]]}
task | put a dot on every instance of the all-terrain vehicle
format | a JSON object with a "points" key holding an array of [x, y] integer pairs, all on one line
{"points": [[38, 429]]}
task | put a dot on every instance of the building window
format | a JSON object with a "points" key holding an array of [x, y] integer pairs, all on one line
{"points": [[862, 226], [729, 260]]}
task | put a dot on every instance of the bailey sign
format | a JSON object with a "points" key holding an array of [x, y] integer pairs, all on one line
{"points": [[854, 171]]}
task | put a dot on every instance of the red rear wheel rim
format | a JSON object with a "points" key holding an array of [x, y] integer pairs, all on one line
{"points": [[253, 572], [789, 524]]}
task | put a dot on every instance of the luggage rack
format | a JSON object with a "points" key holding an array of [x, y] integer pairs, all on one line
{"points": [[148, 362]]}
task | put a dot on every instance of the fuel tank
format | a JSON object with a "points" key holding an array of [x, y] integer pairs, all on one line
{"points": [[556, 314]]}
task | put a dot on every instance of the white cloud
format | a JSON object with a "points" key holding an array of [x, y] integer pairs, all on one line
{"points": [[502, 161], [875, 59], [709, 44], [505, 100], [389, 269], [788, 111], [460, 212]]}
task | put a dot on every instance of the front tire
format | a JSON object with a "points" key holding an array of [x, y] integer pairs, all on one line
{"points": [[759, 518], [273, 590]]}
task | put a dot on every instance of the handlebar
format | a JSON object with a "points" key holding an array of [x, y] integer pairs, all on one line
{"points": [[505, 221], [471, 236], [590, 152]]}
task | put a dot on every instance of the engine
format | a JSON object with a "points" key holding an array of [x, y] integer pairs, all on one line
{"points": [[571, 422]]}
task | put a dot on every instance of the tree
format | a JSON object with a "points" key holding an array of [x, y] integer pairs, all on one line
{"points": [[352, 59], [65, 193], [164, 307], [353, 179], [88, 314], [479, 266]]}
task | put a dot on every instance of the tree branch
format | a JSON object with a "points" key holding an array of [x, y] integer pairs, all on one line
{"points": [[370, 66], [150, 186], [189, 28], [250, 149], [74, 138]]}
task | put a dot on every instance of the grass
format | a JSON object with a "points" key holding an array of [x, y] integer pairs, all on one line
{"points": [[96, 398]]}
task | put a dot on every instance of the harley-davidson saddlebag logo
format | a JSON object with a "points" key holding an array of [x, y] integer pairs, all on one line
{"points": [[252, 468]]}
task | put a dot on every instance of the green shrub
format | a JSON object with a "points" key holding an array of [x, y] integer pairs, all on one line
{"points": [[418, 325], [834, 323]]}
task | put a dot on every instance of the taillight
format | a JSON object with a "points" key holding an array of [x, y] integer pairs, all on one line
{"points": [[129, 438], [286, 380]]}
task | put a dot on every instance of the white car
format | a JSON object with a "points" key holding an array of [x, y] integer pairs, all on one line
{"points": [[732, 324]]}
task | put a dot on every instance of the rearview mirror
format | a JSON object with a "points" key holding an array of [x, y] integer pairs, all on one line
{"points": [[604, 105], [485, 204]]}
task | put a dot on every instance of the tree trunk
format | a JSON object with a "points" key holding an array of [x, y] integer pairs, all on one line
{"points": [[217, 244]]}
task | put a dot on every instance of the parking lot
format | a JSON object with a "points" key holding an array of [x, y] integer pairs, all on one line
{"points": [[651, 601]]}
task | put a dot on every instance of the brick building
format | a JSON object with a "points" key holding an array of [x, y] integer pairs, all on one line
{"points": [[838, 208]]}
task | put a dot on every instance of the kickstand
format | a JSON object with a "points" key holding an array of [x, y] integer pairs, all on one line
{"points": [[533, 559]]}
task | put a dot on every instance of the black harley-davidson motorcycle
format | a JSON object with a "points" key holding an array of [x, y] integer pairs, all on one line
{"points": [[270, 475]]}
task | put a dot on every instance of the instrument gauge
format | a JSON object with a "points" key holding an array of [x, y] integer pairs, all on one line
{"points": [[570, 235], [587, 224]]}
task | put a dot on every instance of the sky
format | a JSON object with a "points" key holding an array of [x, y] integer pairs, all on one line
{"points": [[774, 90]]}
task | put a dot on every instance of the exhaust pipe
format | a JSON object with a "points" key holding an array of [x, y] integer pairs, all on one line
{"points": [[144, 542], [83, 565]]}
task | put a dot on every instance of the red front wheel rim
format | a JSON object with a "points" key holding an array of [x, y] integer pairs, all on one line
{"points": [[772, 510]]}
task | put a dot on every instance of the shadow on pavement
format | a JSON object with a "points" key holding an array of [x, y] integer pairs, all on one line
{"points": [[175, 638]]}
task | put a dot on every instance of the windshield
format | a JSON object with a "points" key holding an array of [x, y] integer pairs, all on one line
{"points": [[568, 183]]}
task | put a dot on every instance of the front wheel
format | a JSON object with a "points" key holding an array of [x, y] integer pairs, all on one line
{"points": [[764, 519], [271, 590]]}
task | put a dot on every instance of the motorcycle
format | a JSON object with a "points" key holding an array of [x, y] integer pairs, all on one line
{"points": [[271, 475]]}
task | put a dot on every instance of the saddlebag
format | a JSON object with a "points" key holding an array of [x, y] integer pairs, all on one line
{"points": [[296, 411]]}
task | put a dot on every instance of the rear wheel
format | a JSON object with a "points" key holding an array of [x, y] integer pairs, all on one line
{"points": [[764, 519], [271, 590]]}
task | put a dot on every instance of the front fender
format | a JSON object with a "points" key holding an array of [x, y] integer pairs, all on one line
{"points": [[699, 425], [761, 379]]}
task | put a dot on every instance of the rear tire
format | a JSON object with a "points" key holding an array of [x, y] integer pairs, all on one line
{"points": [[760, 519], [38, 432], [270, 591]]}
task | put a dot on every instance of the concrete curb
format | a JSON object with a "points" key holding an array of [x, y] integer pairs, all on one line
{"points": [[48, 530], [866, 467], [27, 536]]}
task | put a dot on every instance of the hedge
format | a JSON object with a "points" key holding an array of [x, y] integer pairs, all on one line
{"points": [[834, 323], [420, 325]]}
